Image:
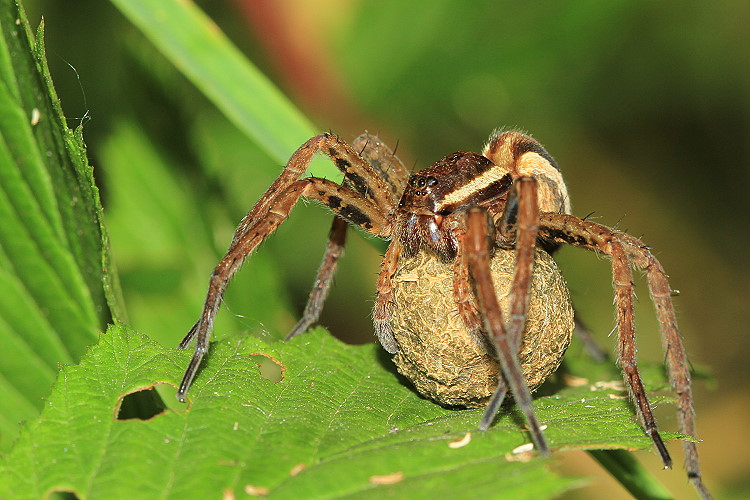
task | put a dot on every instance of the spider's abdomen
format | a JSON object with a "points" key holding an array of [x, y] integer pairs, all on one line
{"points": [[442, 359]]}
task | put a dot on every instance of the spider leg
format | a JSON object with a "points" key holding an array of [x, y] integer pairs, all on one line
{"points": [[677, 364], [381, 315], [469, 312], [520, 222], [518, 225], [462, 294], [524, 189], [625, 251], [324, 277], [478, 253], [358, 173], [345, 203], [384, 161], [597, 237], [389, 168]]}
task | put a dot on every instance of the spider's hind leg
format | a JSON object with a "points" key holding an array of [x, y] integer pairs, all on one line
{"points": [[625, 251], [586, 234]]}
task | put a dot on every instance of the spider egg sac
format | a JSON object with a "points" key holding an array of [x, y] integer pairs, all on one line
{"points": [[446, 363]]}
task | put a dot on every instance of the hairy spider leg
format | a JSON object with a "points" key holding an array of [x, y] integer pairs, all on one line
{"points": [[625, 251], [519, 223], [679, 374], [468, 310], [596, 237], [463, 295], [323, 278], [384, 161], [357, 172], [381, 315], [677, 365], [376, 153], [347, 204], [478, 254]]}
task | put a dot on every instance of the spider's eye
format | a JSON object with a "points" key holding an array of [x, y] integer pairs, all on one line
{"points": [[431, 181], [413, 181], [421, 182]]}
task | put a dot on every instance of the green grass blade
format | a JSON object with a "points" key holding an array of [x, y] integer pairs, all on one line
{"points": [[196, 46], [623, 466]]}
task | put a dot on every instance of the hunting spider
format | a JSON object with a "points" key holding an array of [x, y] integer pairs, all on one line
{"points": [[457, 230]]}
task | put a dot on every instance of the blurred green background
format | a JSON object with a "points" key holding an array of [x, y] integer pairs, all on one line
{"points": [[646, 107]]}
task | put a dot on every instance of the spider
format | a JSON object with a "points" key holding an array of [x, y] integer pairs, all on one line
{"points": [[454, 229]]}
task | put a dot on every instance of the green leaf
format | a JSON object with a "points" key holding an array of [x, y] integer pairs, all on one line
{"points": [[56, 282], [339, 411]]}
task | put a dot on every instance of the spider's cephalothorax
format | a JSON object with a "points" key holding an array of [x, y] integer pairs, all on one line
{"points": [[468, 298]]}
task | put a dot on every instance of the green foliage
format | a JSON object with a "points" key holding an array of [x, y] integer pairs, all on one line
{"points": [[339, 410], [57, 285], [190, 41]]}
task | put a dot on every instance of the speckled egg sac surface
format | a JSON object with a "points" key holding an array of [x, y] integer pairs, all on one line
{"points": [[439, 356]]}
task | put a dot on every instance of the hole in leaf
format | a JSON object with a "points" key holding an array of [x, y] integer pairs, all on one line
{"points": [[270, 368], [62, 495], [142, 405]]}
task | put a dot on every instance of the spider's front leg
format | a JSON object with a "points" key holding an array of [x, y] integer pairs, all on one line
{"points": [[395, 175], [359, 176], [273, 208], [506, 340]]}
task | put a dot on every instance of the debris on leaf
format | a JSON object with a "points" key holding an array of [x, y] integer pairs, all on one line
{"points": [[461, 442], [394, 478], [297, 469], [256, 491], [573, 381]]}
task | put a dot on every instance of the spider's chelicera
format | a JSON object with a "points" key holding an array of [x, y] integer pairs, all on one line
{"points": [[474, 234]]}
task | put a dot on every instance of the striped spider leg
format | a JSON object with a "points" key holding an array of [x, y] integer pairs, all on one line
{"points": [[520, 217], [366, 206], [392, 170], [626, 251]]}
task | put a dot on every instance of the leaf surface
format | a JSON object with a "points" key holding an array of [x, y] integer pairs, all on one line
{"points": [[337, 422]]}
